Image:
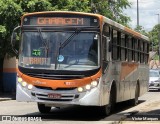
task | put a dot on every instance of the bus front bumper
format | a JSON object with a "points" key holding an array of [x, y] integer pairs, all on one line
{"points": [[88, 98]]}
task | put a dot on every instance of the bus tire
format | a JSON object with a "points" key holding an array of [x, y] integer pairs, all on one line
{"points": [[43, 109], [109, 108], [134, 102]]}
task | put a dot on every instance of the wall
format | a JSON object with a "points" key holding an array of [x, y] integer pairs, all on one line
{"points": [[9, 74]]}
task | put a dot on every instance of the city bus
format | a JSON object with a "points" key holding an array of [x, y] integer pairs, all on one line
{"points": [[76, 58]]}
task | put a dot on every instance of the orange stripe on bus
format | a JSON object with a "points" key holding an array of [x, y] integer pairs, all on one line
{"points": [[126, 69], [59, 83], [132, 32]]}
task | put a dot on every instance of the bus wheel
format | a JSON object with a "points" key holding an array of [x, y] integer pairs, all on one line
{"points": [[134, 102], [43, 109], [108, 109]]}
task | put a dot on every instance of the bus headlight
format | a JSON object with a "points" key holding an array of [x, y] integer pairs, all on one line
{"points": [[19, 80], [88, 87], [94, 83], [80, 89], [24, 84], [30, 86]]}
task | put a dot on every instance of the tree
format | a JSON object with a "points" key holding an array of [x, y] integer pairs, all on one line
{"points": [[153, 35], [71, 5], [34, 5], [10, 14], [112, 9], [141, 30]]}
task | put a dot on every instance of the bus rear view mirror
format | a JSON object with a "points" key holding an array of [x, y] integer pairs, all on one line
{"points": [[13, 38]]}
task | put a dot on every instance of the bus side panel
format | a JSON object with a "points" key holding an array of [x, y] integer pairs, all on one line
{"points": [[144, 79], [137, 73], [106, 83], [110, 76], [126, 75]]}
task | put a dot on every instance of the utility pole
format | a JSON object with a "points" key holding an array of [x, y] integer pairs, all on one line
{"points": [[137, 14], [159, 35], [152, 41]]}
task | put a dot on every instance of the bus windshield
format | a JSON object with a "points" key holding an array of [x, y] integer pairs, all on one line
{"points": [[59, 50]]}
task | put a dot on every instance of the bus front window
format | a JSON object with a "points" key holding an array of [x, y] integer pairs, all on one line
{"points": [[43, 50]]}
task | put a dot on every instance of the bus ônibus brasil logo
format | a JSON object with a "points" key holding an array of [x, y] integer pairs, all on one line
{"points": [[38, 82]]}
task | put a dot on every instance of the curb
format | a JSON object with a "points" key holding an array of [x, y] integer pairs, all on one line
{"points": [[5, 99]]}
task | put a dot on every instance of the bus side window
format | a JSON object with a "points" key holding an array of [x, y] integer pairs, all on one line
{"points": [[105, 41], [106, 30], [126, 47], [136, 50], [145, 52], [123, 57], [133, 49], [104, 48], [123, 47], [115, 54], [141, 52], [129, 49]]}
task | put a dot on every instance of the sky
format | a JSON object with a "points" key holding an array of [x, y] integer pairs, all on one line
{"points": [[147, 13]]}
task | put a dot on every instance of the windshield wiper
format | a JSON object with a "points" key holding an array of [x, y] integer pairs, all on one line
{"points": [[44, 42], [64, 44], [69, 39]]}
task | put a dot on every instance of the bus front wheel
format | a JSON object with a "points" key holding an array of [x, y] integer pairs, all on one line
{"points": [[43, 109], [108, 109]]}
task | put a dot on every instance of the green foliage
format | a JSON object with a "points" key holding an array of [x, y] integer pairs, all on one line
{"points": [[112, 9], [2, 37], [141, 30], [108, 8], [2, 32], [34, 5], [153, 35], [10, 13]]}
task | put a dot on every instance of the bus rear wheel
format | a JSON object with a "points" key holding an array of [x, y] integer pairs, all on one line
{"points": [[43, 109], [134, 102]]}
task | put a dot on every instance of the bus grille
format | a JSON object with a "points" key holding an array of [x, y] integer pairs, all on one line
{"points": [[55, 76], [55, 99], [58, 89], [64, 97]]}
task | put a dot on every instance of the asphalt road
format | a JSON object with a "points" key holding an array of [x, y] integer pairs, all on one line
{"points": [[149, 104]]}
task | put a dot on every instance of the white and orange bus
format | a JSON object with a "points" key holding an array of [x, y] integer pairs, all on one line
{"points": [[76, 58]]}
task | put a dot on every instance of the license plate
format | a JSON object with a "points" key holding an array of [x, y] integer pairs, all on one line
{"points": [[54, 96]]}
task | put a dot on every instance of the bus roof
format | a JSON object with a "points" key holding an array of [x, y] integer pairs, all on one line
{"points": [[125, 29], [105, 19], [67, 12]]}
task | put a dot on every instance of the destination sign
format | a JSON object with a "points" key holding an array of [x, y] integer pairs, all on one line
{"points": [[61, 21], [36, 61]]}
